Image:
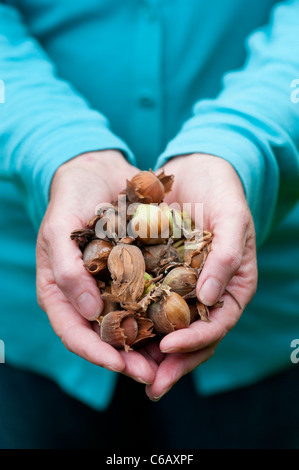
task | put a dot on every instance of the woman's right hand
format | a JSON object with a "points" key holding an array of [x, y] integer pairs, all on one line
{"points": [[65, 290]]}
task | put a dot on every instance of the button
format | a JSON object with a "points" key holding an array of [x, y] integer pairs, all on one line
{"points": [[146, 101], [143, 5], [148, 10]]}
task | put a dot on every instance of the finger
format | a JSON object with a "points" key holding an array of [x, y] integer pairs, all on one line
{"points": [[153, 349], [224, 259], [153, 363], [173, 368], [139, 366], [78, 336], [70, 275]]}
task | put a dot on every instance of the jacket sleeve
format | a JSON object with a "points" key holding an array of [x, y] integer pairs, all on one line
{"points": [[43, 120], [254, 121]]}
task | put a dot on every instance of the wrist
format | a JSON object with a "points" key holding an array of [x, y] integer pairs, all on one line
{"points": [[99, 162], [200, 168], [96, 159]]}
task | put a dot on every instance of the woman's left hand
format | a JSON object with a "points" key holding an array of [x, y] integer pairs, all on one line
{"points": [[231, 264]]}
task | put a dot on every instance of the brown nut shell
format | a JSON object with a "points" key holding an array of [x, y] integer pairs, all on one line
{"points": [[197, 249], [82, 236], [127, 267], [95, 256], [145, 187], [198, 311], [169, 314], [158, 256], [119, 329], [150, 225], [145, 331], [181, 279], [166, 180]]}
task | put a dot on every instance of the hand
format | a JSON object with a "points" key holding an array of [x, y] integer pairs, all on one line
{"points": [[65, 290], [231, 264]]}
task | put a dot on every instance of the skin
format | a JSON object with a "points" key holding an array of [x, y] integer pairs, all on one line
{"points": [[77, 188], [62, 278], [231, 264]]}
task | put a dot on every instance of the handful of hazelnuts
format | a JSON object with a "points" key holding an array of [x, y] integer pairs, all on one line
{"points": [[146, 257]]}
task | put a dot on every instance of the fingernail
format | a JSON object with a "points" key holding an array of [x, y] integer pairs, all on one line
{"points": [[170, 350], [160, 396], [113, 369], [140, 380], [89, 307], [156, 398], [210, 291]]}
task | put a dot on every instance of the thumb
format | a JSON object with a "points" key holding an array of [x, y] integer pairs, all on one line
{"points": [[224, 259]]}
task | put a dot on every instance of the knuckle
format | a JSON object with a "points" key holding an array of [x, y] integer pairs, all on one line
{"points": [[65, 335], [41, 288], [231, 257], [48, 231], [65, 341], [253, 282], [51, 231], [65, 276], [39, 291], [212, 351], [40, 300]]}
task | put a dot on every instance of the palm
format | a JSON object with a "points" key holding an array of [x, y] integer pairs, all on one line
{"points": [[61, 275], [232, 262]]}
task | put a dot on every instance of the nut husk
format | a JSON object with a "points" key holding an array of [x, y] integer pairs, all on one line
{"points": [[123, 329], [95, 256], [145, 187], [110, 302], [82, 236], [158, 256], [198, 311], [127, 268], [197, 248], [119, 328], [145, 331], [166, 180]]}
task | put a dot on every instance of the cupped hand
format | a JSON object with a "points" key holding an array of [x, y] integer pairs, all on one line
{"points": [[230, 271], [65, 290]]}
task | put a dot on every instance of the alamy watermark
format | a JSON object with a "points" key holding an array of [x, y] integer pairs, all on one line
{"points": [[295, 92], [2, 355], [2, 92], [295, 353], [154, 221]]}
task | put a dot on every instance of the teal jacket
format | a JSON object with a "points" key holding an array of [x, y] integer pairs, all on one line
{"points": [[153, 78]]}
